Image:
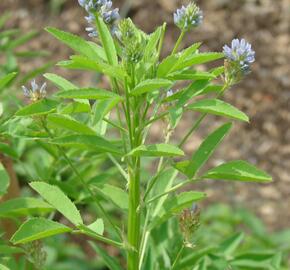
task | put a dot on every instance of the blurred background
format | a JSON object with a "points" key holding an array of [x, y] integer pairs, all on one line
{"points": [[264, 95]]}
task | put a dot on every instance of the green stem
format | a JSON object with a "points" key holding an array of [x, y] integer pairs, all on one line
{"points": [[178, 42], [177, 257]]}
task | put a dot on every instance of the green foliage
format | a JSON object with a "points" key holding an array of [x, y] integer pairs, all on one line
{"points": [[91, 148]]}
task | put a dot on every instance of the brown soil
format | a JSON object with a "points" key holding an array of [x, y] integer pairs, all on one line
{"points": [[264, 95]]}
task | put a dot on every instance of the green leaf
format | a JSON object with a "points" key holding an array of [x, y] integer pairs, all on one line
{"points": [[75, 42], [3, 267], [23, 207], [37, 228], [174, 205], [7, 79], [61, 82], [87, 93], [22, 39], [92, 142], [190, 75], [152, 43], [238, 171], [83, 63], [41, 107], [230, 245], [109, 260], [4, 180], [107, 41], [197, 59], [67, 122], [8, 150], [117, 195], [55, 196], [97, 226], [9, 250], [206, 149], [156, 150], [149, 86], [218, 107]]}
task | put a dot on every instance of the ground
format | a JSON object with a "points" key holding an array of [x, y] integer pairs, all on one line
{"points": [[264, 95]]}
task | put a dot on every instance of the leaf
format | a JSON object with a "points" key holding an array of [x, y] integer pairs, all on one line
{"points": [[149, 86], [230, 245], [22, 39], [107, 41], [109, 260], [238, 171], [8, 150], [75, 42], [4, 180], [60, 81], [83, 63], [37, 228], [93, 142], [152, 43], [206, 149], [97, 226], [9, 250], [174, 205], [87, 93], [190, 75], [7, 79], [117, 195], [67, 122], [197, 59], [55, 196], [41, 107], [156, 150], [218, 107], [3, 267], [23, 207]]}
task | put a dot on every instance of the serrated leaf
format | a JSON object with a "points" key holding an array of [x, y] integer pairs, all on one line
{"points": [[149, 86], [206, 149], [41, 107], [23, 207], [92, 142], [67, 122], [152, 43], [176, 204], [87, 93], [218, 107], [37, 228], [117, 195], [4, 180], [55, 196], [238, 171], [75, 42], [156, 150], [190, 75]]}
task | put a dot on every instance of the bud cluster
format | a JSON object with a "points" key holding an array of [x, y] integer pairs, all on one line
{"points": [[102, 8], [35, 93], [189, 222], [188, 17], [35, 253]]}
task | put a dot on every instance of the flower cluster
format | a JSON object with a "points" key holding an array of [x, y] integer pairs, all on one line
{"points": [[188, 17], [36, 92], [239, 58], [102, 8], [189, 222]]}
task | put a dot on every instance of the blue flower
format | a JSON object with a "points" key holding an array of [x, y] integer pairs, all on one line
{"points": [[102, 8], [188, 17], [36, 92], [240, 53]]}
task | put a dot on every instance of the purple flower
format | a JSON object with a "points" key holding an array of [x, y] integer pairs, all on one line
{"points": [[36, 92], [188, 17], [240, 53]]}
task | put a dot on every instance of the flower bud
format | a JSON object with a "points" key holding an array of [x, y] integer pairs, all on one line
{"points": [[35, 93]]}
